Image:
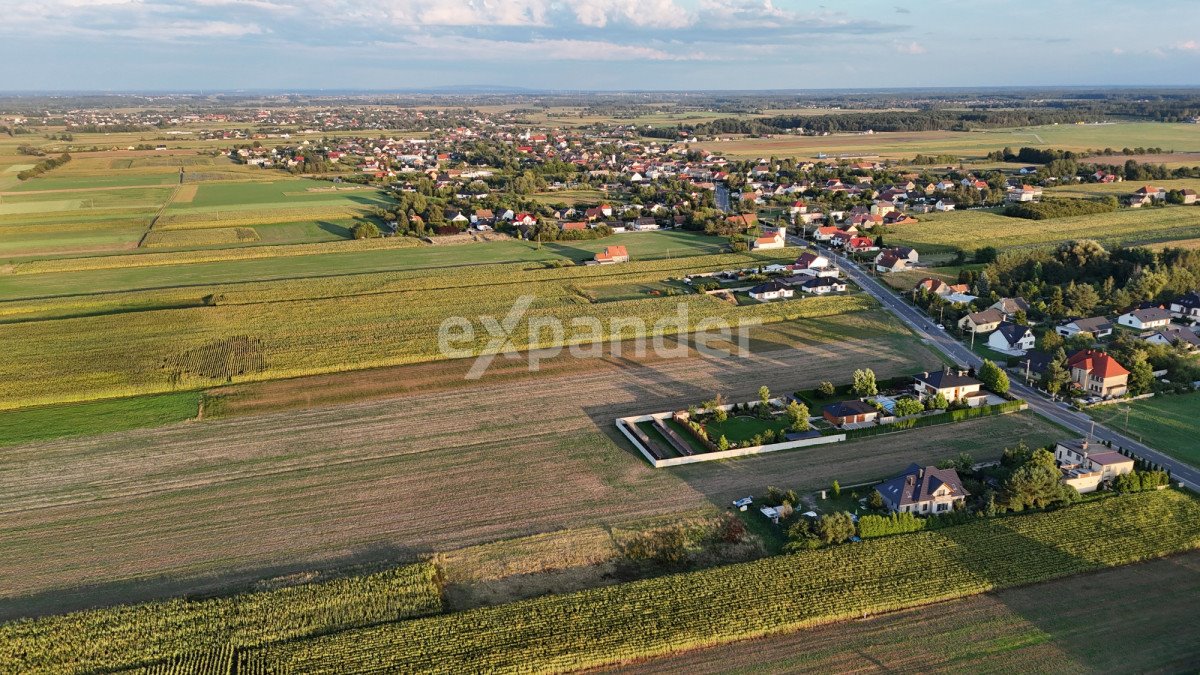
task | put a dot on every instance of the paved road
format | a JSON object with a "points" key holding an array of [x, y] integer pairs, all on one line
{"points": [[1055, 411]]}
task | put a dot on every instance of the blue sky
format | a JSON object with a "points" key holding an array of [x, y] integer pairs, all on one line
{"points": [[592, 44]]}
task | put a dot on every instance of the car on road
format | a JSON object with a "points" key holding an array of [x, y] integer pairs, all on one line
{"points": [[941, 327]]}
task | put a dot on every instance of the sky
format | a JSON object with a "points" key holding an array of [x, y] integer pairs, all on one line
{"points": [[172, 45]]}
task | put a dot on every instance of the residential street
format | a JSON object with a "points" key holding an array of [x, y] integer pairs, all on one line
{"points": [[1057, 412]]}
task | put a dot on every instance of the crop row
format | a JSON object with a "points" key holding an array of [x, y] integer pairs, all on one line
{"points": [[242, 217], [657, 616], [198, 635], [217, 255], [122, 354], [207, 237]]}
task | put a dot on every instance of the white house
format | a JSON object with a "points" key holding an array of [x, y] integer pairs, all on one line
{"points": [[1011, 337], [1085, 466], [1144, 319], [1098, 326]]}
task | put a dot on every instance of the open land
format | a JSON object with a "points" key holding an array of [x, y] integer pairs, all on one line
{"points": [[204, 505], [1167, 423]]}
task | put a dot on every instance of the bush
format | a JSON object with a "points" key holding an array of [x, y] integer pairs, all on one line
{"points": [[870, 526], [365, 230], [826, 389], [1058, 208]]}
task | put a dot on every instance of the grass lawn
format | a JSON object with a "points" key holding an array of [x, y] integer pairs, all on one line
{"points": [[742, 428], [95, 417], [570, 197], [1167, 423]]}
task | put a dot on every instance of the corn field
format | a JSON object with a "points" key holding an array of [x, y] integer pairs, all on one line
{"points": [[200, 636], [313, 326], [683, 611], [248, 217]]}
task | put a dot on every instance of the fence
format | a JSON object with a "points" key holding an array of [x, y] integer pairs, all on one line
{"points": [[948, 417], [628, 426]]}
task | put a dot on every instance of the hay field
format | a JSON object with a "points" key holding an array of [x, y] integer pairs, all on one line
{"points": [[211, 503], [209, 237]]}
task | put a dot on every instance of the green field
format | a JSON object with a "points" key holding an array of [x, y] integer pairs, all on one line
{"points": [[207, 336], [971, 145], [571, 197], [641, 245], [1167, 423], [96, 417], [969, 230]]}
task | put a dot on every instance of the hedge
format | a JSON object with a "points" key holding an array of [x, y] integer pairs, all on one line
{"points": [[948, 417]]}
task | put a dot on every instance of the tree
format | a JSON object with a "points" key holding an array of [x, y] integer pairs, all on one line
{"points": [[834, 528], [993, 377], [722, 443], [864, 382], [1050, 341], [365, 230], [875, 501], [826, 389], [1035, 485], [908, 406], [1083, 298], [837, 489], [797, 414], [937, 402], [1055, 377], [1141, 373]]}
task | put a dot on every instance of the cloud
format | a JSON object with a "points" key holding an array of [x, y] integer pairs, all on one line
{"points": [[1189, 46], [418, 46], [903, 10], [909, 48], [641, 13]]}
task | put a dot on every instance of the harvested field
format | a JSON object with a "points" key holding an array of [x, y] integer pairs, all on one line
{"points": [[185, 194], [1136, 618], [203, 505]]}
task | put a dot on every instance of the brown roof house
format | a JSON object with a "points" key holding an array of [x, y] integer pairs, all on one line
{"points": [[953, 384], [981, 322], [850, 412], [923, 490]]}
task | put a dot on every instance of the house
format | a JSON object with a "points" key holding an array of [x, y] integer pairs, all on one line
{"points": [[776, 239], [981, 322], [1146, 318], [923, 490], [743, 220], [1025, 193], [611, 255], [524, 219], [1010, 306], [574, 225], [823, 285], [1189, 195], [1186, 306], [771, 290], [943, 205], [1098, 326], [953, 384], [1011, 337], [857, 244], [1098, 374], [812, 261], [940, 288], [1035, 362], [1173, 335], [850, 412], [1152, 192], [826, 232], [889, 262], [1085, 466]]}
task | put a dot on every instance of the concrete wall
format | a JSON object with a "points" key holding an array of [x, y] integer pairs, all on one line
{"points": [[627, 425]]}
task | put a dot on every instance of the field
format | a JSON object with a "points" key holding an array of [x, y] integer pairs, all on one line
{"points": [[974, 144], [1167, 423], [969, 230], [207, 505], [1128, 621], [571, 197], [765, 597], [83, 419], [339, 323]]}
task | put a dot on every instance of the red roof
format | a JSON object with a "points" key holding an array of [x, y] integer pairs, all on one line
{"points": [[1097, 363], [611, 252], [577, 225]]}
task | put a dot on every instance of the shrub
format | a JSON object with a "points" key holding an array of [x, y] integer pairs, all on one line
{"points": [[870, 526], [826, 389]]}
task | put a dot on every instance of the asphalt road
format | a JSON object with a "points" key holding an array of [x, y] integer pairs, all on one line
{"points": [[1056, 411]]}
